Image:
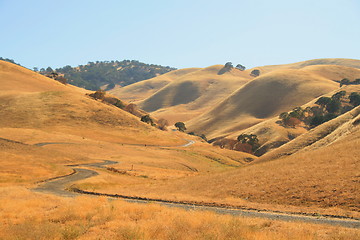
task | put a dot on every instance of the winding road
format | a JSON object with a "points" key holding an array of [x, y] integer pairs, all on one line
{"points": [[58, 186]]}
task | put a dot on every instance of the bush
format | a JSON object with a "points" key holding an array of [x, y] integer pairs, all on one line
{"points": [[99, 94]]}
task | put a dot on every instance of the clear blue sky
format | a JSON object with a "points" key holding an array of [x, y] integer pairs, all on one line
{"points": [[178, 33]]}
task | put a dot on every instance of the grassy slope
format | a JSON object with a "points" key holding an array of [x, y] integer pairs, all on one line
{"points": [[353, 63], [194, 93], [95, 131], [264, 97], [272, 134], [320, 179], [141, 90]]}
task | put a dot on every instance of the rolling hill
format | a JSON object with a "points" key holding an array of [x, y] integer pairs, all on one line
{"points": [[194, 93], [141, 90], [264, 97]]}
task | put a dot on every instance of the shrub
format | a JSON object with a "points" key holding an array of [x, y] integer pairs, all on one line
{"points": [[99, 94]]}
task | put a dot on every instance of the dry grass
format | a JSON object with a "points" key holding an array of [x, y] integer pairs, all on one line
{"points": [[196, 92], [23, 164], [324, 180], [265, 97], [335, 62], [141, 90], [27, 215], [321, 180]]}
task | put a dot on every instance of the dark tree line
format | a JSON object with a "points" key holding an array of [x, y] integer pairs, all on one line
{"points": [[94, 75]]}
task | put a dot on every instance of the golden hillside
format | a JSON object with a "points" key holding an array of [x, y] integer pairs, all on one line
{"points": [[143, 89], [265, 97], [194, 93], [324, 177], [273, 134], [353, 63], [32, 101]]}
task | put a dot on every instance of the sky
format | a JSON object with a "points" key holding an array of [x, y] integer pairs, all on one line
{"points": [[181, 34]]}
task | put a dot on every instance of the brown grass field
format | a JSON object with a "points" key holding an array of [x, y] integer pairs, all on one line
{"points": [[151, 163], [28, 215]]}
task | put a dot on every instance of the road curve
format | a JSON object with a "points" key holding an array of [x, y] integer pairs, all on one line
{"points": [[59, 186]]}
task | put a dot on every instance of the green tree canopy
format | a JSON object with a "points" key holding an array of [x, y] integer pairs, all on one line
{"points": [[180, 126]]}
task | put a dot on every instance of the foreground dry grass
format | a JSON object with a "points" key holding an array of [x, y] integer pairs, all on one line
{"points": [[27, 215]]}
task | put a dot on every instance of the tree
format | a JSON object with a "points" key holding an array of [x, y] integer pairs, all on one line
{"points": [[355, 99], [339, 95], [240, 67], [229, 65], [255, 73], [333, 106], [119, 104], [180, 126], [61, 79], [297, 112], [344, 81], [131, 108], [249, 139], [323, 101], [283, 116], [147, 119], [35, 69], [49, 70], [162, 124]]}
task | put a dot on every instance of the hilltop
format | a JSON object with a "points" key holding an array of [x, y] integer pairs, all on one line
{"points": [[108, 74]]}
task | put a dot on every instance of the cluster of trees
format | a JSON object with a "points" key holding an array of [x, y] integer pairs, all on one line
{"points": [[101, 95], [94, 75], [250, 139], [9, 60], [346, 81], [327, 108], [57, 77], [131, 108], [228, 66], [160, 124]]}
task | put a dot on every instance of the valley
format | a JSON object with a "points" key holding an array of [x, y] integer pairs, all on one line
{"points": [[50, 130]]}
